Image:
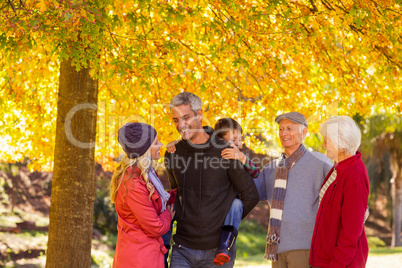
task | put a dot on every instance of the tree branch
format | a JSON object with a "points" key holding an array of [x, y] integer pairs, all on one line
{"points": [[111, 93], [241, 27], [256, 80], [305, 28], [267, 74], [189, 48], [12, 6], [241, 96], [388, 57], [315, 9], [344, 7], [199, 54], [327, 5]]}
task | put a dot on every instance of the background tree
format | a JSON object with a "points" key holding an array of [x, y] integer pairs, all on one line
{"points": [[384, 132], [71, 212]]}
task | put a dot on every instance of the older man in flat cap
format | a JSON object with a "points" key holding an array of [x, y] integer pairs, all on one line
{"points": [[291, 185]]}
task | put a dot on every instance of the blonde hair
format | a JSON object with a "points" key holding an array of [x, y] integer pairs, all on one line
{"points": [[143, 163]]}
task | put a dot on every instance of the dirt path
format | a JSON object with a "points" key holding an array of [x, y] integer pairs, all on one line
{"points": [[386, 261], [374, 261]]}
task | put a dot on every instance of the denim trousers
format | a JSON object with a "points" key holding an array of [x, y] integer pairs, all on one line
{"points": [[187, 257], [233, 217]]}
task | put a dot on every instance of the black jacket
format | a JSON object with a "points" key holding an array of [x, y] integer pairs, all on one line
{"points": [[207, 185]]}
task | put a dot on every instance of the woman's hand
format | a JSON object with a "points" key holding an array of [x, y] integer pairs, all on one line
{"points": [[171, 210], [234, 153]]}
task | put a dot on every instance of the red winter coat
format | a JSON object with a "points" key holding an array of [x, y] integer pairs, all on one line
{"points": [[339, 239], [140, 226]]}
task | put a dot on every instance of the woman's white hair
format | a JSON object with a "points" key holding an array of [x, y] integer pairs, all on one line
{"points": [[343, 132]]}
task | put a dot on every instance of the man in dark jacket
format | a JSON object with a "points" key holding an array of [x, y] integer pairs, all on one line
{"points": [[206, 187]]}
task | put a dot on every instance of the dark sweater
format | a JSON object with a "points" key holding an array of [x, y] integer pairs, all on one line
{"points": [[207, 185]]}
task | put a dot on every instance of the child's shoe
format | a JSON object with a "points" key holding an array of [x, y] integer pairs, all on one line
{"points": [[228, 238]]}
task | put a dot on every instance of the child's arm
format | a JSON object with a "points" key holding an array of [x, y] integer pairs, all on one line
{"points": [[251, 168], [171, 146], [234, 153]]}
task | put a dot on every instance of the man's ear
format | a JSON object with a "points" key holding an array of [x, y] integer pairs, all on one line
{"points": [[200, 114], [305, 130]]}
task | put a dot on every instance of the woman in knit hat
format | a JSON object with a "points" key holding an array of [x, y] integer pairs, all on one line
{"points": [[143, 206]]}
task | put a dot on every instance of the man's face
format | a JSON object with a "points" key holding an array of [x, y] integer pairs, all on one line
{"points": [[290, 134], [233, 136], [187, 123]]}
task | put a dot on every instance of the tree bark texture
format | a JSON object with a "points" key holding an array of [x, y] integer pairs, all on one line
{"points": [[73, 185], [395, 144], [397, 219]]}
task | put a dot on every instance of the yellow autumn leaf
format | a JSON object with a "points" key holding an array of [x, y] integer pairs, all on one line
{"points": [[42, 5]]}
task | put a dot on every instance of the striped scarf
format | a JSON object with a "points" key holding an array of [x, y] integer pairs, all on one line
{"points": [[327, 184], [278, 199], [324, 189]]}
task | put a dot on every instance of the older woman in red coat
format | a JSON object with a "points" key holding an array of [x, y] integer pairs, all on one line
{"points": [[140, 200], [339, 239]]}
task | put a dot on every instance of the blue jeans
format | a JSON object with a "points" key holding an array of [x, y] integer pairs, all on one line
{"points": [[234, 214], [187, 257]]}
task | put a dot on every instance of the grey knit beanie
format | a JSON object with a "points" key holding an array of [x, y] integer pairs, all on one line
{"points": [[136, 138]]}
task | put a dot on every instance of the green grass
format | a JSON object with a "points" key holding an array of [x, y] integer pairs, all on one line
{"points": [[101, 257], [9, 219], [251, 243], [25, 240], [251, 239], [385, 251], [252, 261], [375, 242]]}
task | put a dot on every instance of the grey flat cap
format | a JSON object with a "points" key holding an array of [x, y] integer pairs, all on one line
{"points": [[295, 117]]}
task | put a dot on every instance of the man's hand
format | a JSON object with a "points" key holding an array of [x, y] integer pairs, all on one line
{"points": [[234, 153]]}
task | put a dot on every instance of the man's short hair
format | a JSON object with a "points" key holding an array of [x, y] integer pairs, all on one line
{"points": [[187, 98], [224, 125]]}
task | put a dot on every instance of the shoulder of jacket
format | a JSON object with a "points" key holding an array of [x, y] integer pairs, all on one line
{"points": [[133, 185], [350, 171], [320, 157], [271, 166], [219, 141]]}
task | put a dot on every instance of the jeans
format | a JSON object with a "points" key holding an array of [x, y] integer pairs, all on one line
{"points": [[234, 214], [187, 257]]}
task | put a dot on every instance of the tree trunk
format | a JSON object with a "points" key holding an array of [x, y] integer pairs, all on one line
{"points": [[397, 219], [396, 193], [73, 185]]}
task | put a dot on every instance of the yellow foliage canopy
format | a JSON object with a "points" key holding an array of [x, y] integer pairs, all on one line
{"points": [[246, 59]]}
